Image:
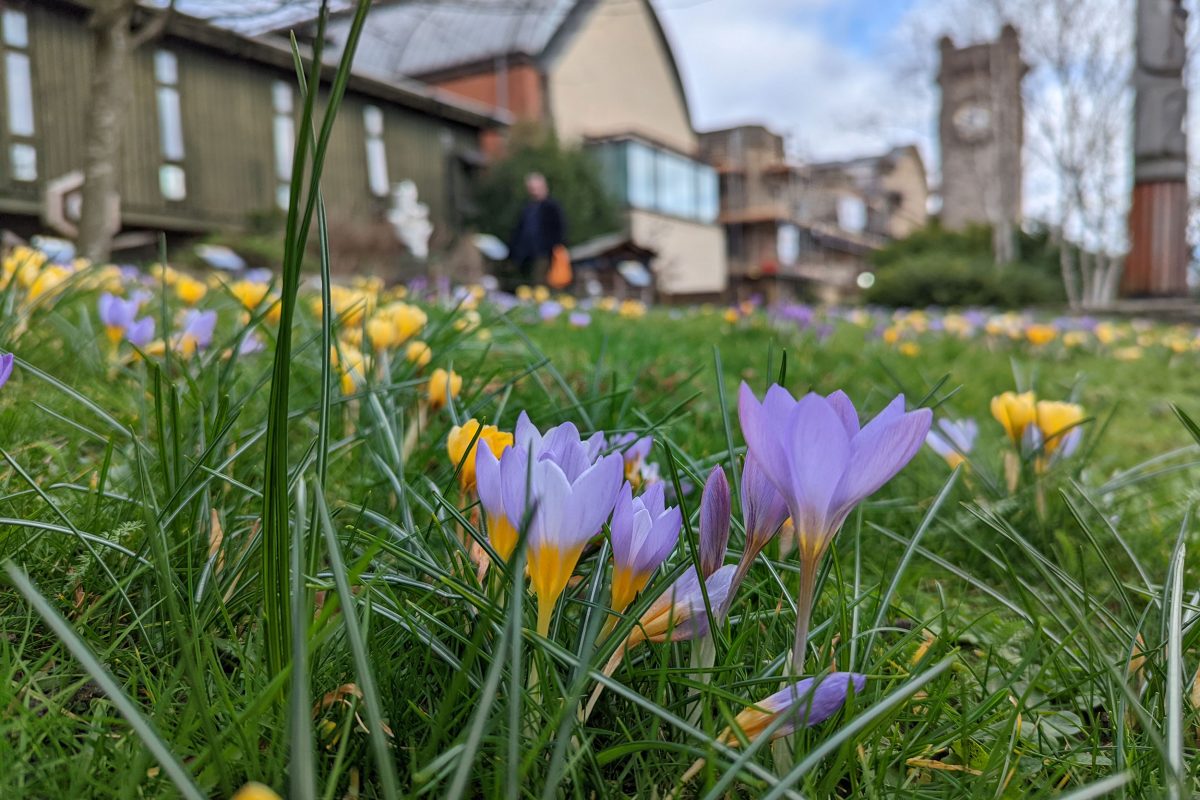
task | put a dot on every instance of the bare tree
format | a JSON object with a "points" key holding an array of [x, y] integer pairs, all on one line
{"points": [[1078, 104], [1079, 101]]}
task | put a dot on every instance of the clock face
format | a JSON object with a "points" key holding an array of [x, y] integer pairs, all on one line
{"points": [[972, 121]]}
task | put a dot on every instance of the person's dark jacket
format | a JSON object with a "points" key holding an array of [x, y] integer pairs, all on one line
{"points": [[540, 228]]}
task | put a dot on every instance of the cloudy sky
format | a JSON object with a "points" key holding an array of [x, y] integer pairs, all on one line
{"points": [[838, 77]]}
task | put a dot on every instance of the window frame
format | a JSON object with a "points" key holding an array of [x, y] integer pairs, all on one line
{"points": [[172, 141], [19, 132], [374, 127], [283, 139]]}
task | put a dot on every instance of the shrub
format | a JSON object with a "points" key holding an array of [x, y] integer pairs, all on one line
{"points": [[951, 268]]}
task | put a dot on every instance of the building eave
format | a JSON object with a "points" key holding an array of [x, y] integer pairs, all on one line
{"points": [[270, 52]]}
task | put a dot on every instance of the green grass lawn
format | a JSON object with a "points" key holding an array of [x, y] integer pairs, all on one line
{"points": [[995, 627]]}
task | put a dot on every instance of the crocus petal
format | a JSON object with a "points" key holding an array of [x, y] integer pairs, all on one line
{"points": [[487, 481], [6, 367], [622, 526], [663, 537], [762, 437], [845, 410], [655, 499], [140, 332], [679, 613], [803, 703], [763, 508], [878, 453], [514, 485], [595, 445], [691, 621], [818, 452], [554, 521], [595, 492], [714, 521], [526, 435]]}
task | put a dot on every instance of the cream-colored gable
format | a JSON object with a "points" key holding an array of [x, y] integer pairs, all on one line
{"points": [[614, 75]]}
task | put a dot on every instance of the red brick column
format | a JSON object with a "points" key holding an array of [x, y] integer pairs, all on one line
{"points": [[1158, 249]]}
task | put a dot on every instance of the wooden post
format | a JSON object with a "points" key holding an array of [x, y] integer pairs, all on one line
{"points": [[1158, 249]]}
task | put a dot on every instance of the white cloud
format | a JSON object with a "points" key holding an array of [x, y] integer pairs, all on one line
{"points": [[767, 61]]}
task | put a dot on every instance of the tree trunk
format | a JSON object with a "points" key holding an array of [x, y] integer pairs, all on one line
{"points": [[1066, 266], [107, 106]]}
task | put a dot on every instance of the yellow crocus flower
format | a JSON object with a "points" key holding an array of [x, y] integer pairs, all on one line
{"points": [[1055, 418], [1015, 412], [190, 290], [444, 386], [460, 446], [418, 353], [255, 791]]}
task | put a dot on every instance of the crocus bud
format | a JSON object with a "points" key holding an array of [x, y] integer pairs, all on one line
{"points": [[714, 521], [763, 508]]}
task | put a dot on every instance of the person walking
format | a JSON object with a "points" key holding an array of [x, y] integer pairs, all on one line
{"points": [[540, 229]]}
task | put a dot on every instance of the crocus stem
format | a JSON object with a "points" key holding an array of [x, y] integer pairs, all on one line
{"points": [[743, 568], [545, 612], [704, 655], [608, 670], [804, 606]]}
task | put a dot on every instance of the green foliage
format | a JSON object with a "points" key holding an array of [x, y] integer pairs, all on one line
{"points": [[574, 181], [934, 266]]}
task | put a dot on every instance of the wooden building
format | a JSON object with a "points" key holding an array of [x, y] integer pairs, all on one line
{"points": [[210, 127]]}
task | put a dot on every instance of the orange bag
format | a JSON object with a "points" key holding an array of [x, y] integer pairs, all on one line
{"points": [[559, 276]]}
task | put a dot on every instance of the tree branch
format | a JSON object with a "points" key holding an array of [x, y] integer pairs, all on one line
{"points": [[154, 28]]}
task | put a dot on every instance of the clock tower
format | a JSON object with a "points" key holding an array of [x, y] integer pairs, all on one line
{"points": [[981, 132]]}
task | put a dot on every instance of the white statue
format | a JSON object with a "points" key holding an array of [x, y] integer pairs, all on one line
{"points": [[410, 218]]}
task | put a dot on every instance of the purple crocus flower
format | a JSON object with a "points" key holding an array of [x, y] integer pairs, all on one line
{"points": [[644, 531], [6, 367], [804, 703], [141, 332], [550, 310], [562, 445], [763, 512], [634, 450], [119, 317], [953, 440], [579, 319], [568, 496], [824, 464], [251, 344], [196, 331], [714, 521]]}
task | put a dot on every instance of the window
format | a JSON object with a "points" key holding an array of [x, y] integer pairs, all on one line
{"points": [[708, 205], [377, 172], [172, 180], [19, 84], [655, 179], [676, 178], [851, 213], [285, 141], [170, 123], [18, 92], [15, 28], [23, 158], [641, 176]]}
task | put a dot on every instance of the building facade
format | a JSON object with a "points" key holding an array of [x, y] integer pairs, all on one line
{"points": [[600, 74], [807, 229], [981, 132], [209, 130]]}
